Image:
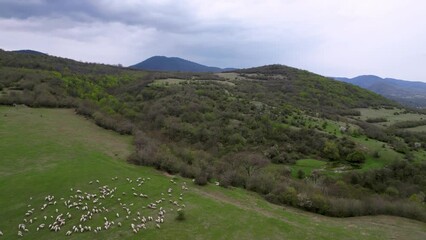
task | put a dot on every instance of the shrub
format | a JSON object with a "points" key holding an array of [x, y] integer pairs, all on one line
{"points": [[261, 183], [356, 158], [376, 120], [180, 215], [300, 174], [201, 178]]}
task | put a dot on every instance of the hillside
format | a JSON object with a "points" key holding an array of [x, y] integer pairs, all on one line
{"points": [[53, 150], [294, 137], [173, 64], [408, 93], [28, 51]]}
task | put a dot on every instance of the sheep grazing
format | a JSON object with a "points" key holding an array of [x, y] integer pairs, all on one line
{"points": [[20, 234], [1, 233]]}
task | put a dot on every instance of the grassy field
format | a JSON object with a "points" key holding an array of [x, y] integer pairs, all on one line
{"points": [[175, 81], [391, 115], [307, 166], [49, 151]]}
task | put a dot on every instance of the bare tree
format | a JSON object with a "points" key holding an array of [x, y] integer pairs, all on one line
{"points": [[250, 162]]}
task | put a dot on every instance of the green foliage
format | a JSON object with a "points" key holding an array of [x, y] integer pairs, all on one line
{"points": [[356, 158], [376, 120], [200, 127], [300, 174], [180, 215], [331, 151]]}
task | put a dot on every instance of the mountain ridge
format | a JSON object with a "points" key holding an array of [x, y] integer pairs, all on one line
{"points": [[175, 64], [29, 51], [409, 93]]}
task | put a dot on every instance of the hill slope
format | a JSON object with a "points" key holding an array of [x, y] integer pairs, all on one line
{"points": [[28, 51], [173, 64], [251, 128], [48, 151], [406, 92]]}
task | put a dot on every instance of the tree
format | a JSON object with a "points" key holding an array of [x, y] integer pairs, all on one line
{"points": [[300, 174], [331, 151], [356, 158], [251, 162]]}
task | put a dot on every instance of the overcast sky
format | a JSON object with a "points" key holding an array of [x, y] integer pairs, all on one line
{"points": [[329, 37]]}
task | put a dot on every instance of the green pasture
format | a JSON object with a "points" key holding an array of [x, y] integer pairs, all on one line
{"points": [[49, 151]]}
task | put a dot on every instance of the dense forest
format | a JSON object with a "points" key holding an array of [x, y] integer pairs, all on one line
{"points": [[238, 128]]}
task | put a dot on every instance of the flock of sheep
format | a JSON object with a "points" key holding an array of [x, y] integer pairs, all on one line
{"points": [[103, 209]]}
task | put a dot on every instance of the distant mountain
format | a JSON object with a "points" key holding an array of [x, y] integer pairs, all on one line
{"points": [[28, 51], [175, 64], [409, 93]]}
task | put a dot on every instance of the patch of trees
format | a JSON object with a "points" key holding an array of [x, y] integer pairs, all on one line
{"points": [[409, 124], [376, 120], [398, 179]]}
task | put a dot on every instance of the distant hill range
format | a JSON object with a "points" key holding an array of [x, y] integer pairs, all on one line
{"points": [[408, 93], [31, 52], [175, 64]]}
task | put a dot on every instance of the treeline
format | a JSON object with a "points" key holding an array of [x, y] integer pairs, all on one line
{"points": [[396, 190], [408, 124]]}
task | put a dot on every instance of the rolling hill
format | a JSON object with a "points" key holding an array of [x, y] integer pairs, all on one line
{"points": [[291, 137], [406, 92], [174, 64], [28, 51], [51, 151]]}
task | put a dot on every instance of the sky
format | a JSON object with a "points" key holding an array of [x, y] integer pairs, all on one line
{"points": [[329, 37]]}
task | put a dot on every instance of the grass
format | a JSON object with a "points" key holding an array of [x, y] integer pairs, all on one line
{"points": [[48, 151], [389, 115], [370, 146], [175, 81], [307, 166], [367, 145]]}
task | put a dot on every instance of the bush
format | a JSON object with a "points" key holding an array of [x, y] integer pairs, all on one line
{"points": [[261, 183], [376, 120], [180, 215], [201, 178], [356, 158], [300, 174]]}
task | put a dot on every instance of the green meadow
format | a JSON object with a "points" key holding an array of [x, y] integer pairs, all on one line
{"points": [[56, 152]]}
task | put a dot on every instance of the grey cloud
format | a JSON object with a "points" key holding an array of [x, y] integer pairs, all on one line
{"points": [[331, 37], [170, 17]]}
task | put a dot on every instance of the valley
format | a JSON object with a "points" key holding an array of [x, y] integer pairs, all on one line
{"points": [[266, 152]]}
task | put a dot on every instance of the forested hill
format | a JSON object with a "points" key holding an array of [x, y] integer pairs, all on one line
{"points": [[174, 64], [247, 128], [409, 93], [313, 91]]}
